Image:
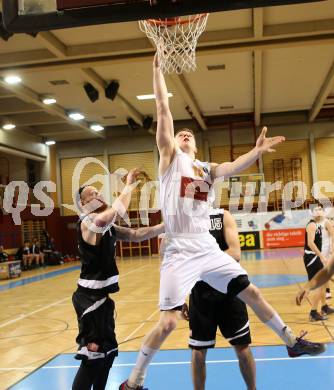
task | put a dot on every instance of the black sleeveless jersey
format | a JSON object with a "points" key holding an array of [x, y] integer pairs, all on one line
{"points": [[317, 237], [202, 289], [217, 229], [99, 273]]}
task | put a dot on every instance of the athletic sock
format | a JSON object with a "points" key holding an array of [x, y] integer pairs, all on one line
{"points": [[283, 332], [138, 373]]}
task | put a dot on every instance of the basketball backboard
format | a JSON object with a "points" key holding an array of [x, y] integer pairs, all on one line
{"points": [[31, 16]]}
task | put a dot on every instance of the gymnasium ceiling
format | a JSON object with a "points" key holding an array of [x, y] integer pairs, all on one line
{"points": [[276, 60]]}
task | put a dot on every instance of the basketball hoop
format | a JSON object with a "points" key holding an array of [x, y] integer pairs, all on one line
{"points": [[175, 40]]}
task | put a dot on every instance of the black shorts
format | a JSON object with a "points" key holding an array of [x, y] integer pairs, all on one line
{"points": [[313, 265], [96, 325], [209, 309]]}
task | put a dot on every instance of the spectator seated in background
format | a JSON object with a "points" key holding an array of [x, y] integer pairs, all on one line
{"points": [[48, 240], [52, 256], [24, 254], [37, 253], [51, 245], [3, 255]]}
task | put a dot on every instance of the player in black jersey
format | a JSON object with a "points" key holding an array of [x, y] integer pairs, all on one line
{"points": [[314, 260], [97, 237], [209, 309], [319, 279]]}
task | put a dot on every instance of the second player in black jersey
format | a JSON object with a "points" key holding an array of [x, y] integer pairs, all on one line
{"points": [[313, 261], [99, 277], [210, 309]]}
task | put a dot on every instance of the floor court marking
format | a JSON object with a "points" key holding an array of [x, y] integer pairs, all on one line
{"points": [[117, 301], [37, 278], [40, 277], [278, 359], [136, 301], [140, 326], [287, 293], [23, 316]]}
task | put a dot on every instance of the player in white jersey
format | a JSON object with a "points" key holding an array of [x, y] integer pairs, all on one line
{"points": [[326, 247], [189, 252]]}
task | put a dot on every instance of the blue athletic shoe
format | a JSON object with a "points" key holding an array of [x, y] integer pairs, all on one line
{"points": [[304, 347]]}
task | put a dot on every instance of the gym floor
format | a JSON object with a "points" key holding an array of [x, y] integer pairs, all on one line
{"points": [[38, 329]]}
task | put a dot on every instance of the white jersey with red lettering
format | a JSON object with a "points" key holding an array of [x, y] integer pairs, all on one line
{"points": [[190, 253], [185, 191]]}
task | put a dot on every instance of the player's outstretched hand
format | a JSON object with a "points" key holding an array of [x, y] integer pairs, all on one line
{"points": [[303, 293], [132, 176], [264, 144]]}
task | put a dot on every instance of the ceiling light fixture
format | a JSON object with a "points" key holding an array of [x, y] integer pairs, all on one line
{"points": [[50, 143], [48, 100], [96, 127], [76, 116], [12, 80], [8, 126]]}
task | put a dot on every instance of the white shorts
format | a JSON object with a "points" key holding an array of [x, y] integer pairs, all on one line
{"points": [[189, 259]]}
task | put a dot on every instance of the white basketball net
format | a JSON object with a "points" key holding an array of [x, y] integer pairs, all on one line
{"points": [[176, 40]]}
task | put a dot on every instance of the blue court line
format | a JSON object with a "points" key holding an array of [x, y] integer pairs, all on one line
{"points": [[262, 281], [170, 369], [271, 254], [37, 278], [276, 280]]}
